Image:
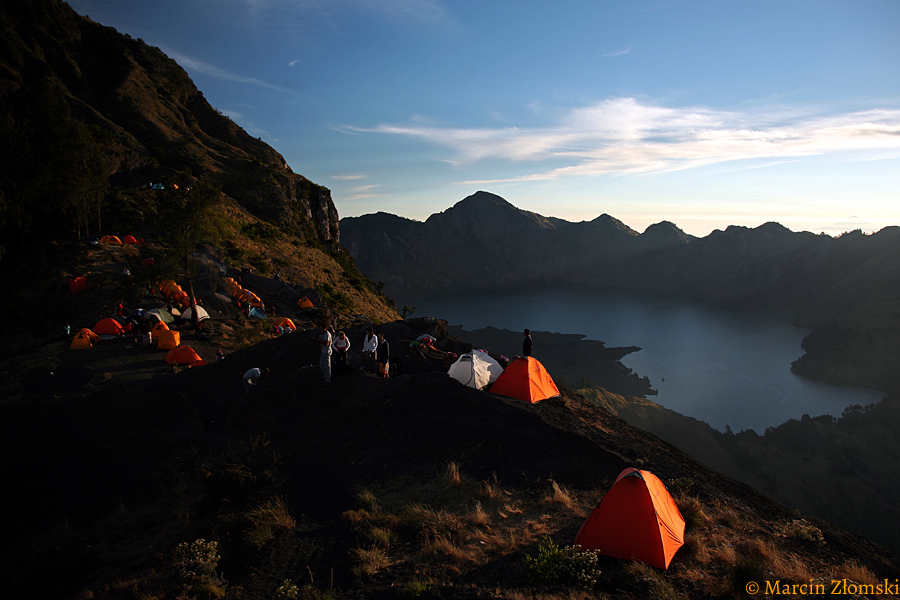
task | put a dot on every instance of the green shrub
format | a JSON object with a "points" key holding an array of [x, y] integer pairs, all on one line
{"points": [[568, 565]]}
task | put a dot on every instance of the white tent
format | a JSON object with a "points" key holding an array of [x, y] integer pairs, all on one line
{"points": [[475, 370], [201, 313], [161, 314]]}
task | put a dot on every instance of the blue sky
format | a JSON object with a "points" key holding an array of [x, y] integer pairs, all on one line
{"points": [[703, 113]]}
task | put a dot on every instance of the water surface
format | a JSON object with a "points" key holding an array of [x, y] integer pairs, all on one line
{"points": [[722, 367]]}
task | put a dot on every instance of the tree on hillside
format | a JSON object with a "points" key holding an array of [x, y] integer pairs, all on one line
{"points": [[52, 165], [183, 208]]}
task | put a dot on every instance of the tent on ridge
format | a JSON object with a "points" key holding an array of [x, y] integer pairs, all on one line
{"points": [[161, 314], [109, 327], [129, 239], [160, 326], [637, 519], [189, 313], [110, 239], [84, 339], [167, 339], [182, 355], [305, 302], [475, 369], [255, 312], [526, 379], [284, 322]]}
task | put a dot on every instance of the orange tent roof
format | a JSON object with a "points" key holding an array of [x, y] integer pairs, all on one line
{"points": [[182, 355], [304, 302], [129, 239], [525, 379], [108, 326], [167, 339], [284, 322], [110, 239], [636, 520], [84, 339]]}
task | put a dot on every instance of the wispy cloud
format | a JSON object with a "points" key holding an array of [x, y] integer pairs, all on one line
{"points": [[293, 62], [198, 66], [358, 193], [624, 136], [349, 176], [616, 53]]}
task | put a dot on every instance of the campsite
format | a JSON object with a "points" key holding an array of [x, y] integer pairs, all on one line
{"points": [[418, 481], [155, 252]]}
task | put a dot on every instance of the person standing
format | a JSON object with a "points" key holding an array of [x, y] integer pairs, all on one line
{"points": [[527, 344], [382, 352], [341, 346], [370, 344], [325, 358]]}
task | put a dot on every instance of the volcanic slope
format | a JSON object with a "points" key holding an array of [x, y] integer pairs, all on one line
{"points": [[374, 485]]}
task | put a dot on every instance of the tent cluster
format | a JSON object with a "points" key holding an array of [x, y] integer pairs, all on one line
{"points": [[117, 241], [175, 296], [525, 378], [242, 295], [637, 519]]}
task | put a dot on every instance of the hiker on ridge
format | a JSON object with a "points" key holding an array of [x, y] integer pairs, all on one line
{"points": [[527, 344], [252, 377], [382, 352], [341, 346], [325, 358], [370, 344]]}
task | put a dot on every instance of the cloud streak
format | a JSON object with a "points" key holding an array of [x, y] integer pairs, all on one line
{"points": [[624, 136], [198, 66]]}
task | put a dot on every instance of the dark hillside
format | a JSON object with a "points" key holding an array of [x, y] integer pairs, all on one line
{"points": [[447, 487], [85, 110]]}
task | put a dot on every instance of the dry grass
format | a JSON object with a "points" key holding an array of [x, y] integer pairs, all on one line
{"points": [[492, 491], [370, 561], [560, 497], [452, 477]]}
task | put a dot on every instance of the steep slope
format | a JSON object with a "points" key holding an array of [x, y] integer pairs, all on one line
{"points": [[83, 106]]}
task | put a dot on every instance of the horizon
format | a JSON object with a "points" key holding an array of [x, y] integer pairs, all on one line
{"points": [[693, 112]]}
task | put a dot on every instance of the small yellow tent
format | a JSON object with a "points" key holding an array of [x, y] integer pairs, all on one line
{"points": [[304, 302], [168, 339]]}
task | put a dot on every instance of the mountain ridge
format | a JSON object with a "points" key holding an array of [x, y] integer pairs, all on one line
{"points": [[812, 280]]}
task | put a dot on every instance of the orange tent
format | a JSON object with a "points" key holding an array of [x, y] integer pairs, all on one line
{"points": [[636, 520], [304, 302], [129, 239], [284, 322], [77, 284], [84, 339], [160, 326], [182, 355], [167, 339], [108, 326], [525, 379], [110, 239]]}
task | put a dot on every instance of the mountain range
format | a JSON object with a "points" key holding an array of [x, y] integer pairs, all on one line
{"points": [[846, 288]]}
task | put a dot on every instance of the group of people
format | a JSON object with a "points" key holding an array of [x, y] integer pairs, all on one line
{"points": [[335, 347], [376, 352]]}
